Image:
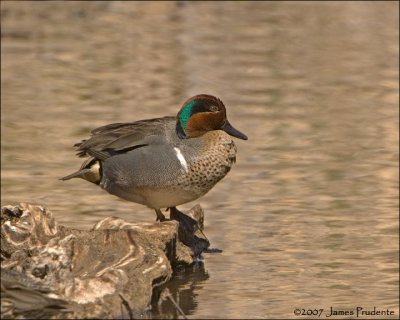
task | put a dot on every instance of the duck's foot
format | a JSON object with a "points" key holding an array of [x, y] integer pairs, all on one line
{"points": [[190, 229], [160, 216]]}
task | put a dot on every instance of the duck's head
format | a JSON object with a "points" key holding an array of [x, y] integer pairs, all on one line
{"points": [[203, 113]]}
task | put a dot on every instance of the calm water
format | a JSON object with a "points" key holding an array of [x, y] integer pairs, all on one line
{"points": [[308, 217]]}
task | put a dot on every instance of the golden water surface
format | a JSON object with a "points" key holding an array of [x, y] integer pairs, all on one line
{"points": [[308, 217]]}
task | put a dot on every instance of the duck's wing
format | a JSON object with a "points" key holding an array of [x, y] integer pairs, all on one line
{"points": [[118, 138]]}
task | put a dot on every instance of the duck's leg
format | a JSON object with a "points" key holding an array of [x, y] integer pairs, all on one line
{"points": [[174, 213], [160, 216], [188, 222]]}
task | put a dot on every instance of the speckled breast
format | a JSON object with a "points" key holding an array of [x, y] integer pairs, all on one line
{"points": [[207, 163]]}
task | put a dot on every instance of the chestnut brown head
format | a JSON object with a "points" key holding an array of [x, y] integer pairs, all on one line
{"points": [[203, 113]]}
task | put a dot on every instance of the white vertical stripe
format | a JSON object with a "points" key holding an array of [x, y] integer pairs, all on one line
{"points": [[181, 159]]}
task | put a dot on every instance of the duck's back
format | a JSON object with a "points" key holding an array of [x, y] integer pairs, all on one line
{"points": [[120, 137]]}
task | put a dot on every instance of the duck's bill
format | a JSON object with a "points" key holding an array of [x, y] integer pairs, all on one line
{"points": [[227, 127]]}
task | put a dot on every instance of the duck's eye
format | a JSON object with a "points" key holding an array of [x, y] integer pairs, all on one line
{"points": [[213, 108]]}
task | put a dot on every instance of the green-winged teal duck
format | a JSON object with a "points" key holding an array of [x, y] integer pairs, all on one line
{"points": [[162, 162]]}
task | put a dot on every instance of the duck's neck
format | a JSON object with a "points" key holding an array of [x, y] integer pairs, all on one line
{"points": [[180, 131]]}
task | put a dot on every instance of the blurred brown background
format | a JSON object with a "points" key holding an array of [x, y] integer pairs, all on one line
{"points": [[308, 217]]}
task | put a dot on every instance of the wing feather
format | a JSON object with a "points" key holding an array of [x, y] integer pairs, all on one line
{"points": [[122, 137]]}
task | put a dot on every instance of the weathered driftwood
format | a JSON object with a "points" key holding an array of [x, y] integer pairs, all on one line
{"points": [[52, 271]]}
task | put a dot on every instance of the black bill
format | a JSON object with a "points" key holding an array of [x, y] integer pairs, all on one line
{"points": [[227, 127]]}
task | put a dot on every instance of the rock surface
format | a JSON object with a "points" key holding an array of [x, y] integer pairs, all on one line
{"points": [[52, 271]]}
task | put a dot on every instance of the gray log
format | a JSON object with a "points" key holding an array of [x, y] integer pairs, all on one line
{"points": [[52, 271]]}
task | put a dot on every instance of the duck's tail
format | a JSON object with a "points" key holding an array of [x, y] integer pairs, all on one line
{"points": [[90, 171], [77, 174]]}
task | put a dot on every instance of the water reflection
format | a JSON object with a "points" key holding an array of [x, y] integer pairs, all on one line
{"points": [[183, 289], [309, 214]]}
